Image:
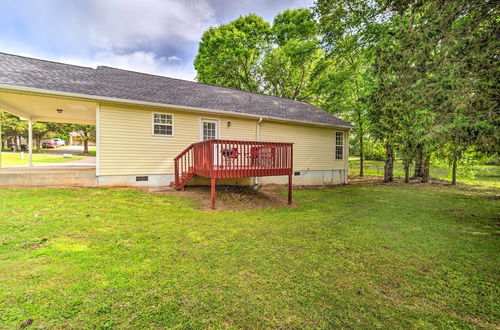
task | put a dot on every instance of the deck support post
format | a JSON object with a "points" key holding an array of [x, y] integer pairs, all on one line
{"points": [[212, 192], [290, 189]]}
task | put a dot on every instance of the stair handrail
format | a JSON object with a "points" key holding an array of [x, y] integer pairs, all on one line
{"points": [[178, 173]]}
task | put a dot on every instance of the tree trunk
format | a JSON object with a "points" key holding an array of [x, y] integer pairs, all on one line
{"points": [[407, 171], [13, 145], [361, 155], [389, 164], [38, 144], [454, 169], [419, 163], [86, 136], [426, 172]]}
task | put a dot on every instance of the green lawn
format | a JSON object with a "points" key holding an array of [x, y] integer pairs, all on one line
{"points": [[357, 257], [14, 159], [487, 175], [92, 152]]}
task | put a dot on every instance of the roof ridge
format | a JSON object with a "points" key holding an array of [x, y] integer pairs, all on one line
{"points": [[48, 61], [201, 83]]}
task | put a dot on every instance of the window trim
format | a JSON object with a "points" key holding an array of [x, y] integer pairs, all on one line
{"points": [[337, 145], [153, 124], [213, 120]]}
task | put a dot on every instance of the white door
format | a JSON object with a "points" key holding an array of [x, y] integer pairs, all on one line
{"points": [[209, 129]]}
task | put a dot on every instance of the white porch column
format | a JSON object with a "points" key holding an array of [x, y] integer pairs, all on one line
{"points": [[30, 143], [1, 141]]}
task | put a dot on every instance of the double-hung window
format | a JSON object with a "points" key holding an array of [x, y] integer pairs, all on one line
{"points": [[339, 145], [163, 124]]}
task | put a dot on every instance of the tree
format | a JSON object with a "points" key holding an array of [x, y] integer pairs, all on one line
{"points": [[40, 131], [230, 55], [249, 54], [291, 57], [12, 129], [449, 52], [86, 133], [350, 29]]}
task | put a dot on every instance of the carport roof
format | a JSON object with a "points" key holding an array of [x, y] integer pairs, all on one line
{"points": [[115, 83]]}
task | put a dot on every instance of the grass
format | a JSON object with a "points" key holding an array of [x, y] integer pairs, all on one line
{"points": [[486, 175], [92, 152], [14, 159], [363, 256]]}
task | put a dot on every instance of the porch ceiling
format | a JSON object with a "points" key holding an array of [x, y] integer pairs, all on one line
{"points": [[44, 108]]}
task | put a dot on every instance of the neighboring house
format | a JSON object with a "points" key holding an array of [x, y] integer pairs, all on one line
{"points": [[144, 121], [75, 139]]}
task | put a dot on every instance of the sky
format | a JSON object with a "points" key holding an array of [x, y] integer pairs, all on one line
{"points": [[152, 36]]}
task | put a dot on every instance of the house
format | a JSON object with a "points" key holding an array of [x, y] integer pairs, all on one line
{"points": [[76, 138], [145, 121]]}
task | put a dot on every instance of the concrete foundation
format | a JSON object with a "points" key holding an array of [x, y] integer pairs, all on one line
{"points": [[86, 177], [300, 178], [44, 177], [139, 180]]}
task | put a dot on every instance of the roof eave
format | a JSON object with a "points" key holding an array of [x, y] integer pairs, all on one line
{"points": [[23, 89]]}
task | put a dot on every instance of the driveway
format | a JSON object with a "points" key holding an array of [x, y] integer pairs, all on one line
{"points": [[66, 150]]}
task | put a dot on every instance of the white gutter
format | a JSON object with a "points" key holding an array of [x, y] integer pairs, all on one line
{"points": [[154, 104]]}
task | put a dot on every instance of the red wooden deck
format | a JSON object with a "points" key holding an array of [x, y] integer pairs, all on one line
{"points": [[219, 159]]}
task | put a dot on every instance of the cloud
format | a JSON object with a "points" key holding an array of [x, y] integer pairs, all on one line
{"points": [[152, 36], [141, 61], [118, 24]]}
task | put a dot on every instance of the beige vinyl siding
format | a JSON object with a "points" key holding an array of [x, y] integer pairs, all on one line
{"points": [[127, 145], [313, 147]]}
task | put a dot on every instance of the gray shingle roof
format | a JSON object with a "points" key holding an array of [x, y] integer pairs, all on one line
{"points": [[122, 84]]}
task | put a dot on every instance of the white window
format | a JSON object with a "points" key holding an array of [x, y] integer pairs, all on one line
{"points": [[163, 124], [209, 129], [339, 145]]}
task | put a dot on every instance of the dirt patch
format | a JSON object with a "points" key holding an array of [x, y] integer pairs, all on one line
{"points": [[236, 197]]}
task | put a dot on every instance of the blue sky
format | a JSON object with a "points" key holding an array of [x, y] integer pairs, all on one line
{"points": [[154, 36]]}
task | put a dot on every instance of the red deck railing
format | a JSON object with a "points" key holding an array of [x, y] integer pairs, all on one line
{"points": [[219, 159]]}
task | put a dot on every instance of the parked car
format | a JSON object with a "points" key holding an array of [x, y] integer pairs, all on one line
{"points": [[60, 142], [49, 144], [53, 143]]}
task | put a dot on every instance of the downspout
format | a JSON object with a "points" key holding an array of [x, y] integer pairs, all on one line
{"points": [[257, 135], [257, 138]]}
